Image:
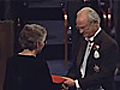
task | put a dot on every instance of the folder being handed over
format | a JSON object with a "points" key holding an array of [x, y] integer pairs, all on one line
{"points": [[58, 79]]}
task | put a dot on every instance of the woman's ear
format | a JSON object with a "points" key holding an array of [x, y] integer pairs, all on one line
{"points": [[38, 44]]}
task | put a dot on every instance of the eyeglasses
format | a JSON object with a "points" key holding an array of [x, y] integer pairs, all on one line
{"points": [[45, 41]]}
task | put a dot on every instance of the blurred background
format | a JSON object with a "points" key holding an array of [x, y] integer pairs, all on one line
{"points": [[58, 16]]}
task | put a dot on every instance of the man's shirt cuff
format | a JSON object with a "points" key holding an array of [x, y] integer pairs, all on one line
{"points": [[77, 84]]}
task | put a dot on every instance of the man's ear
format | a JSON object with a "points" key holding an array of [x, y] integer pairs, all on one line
{"points": [[95, 23]]}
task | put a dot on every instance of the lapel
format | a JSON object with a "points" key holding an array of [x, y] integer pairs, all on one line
{"points": [[81, 52], [97, 41]]}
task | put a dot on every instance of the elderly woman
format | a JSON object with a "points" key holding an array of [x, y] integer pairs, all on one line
{"points": [[25, 71]]}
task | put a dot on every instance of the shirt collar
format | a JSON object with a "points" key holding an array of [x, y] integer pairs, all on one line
{"points": [[92, 38]]}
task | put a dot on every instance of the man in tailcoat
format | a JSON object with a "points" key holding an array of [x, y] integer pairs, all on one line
{"points": [[96, 55]]}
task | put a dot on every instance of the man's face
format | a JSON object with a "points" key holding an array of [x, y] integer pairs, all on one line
{"points": [[85, 27]]}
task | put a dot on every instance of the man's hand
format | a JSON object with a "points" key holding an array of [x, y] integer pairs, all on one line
{"points": [[64, 87], [67, 83]]}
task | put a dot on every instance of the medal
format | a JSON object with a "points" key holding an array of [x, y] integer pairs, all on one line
{"points": [[96, 68], [96, 54]]}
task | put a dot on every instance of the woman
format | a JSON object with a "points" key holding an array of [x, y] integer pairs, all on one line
{"points": [[25, 71]]}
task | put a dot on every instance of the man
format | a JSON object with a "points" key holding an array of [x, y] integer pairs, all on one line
{"points": [[96, 55]]}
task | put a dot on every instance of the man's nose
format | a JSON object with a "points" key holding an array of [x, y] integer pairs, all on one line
{"points": [[81, 31]]}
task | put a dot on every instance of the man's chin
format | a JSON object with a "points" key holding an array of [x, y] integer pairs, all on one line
{"points": [[85, 36]]}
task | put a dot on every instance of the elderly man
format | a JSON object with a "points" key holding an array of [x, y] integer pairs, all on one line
{"points": [[97, 53]]}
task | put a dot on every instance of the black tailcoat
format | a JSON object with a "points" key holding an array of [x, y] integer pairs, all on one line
{"points": [[99, 71]]}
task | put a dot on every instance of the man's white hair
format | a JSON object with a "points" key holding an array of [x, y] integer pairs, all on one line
{"points": [[92, 14]]}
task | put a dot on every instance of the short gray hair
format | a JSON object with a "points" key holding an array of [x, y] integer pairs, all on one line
{"points": [[30, 34], [92, 15]]}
